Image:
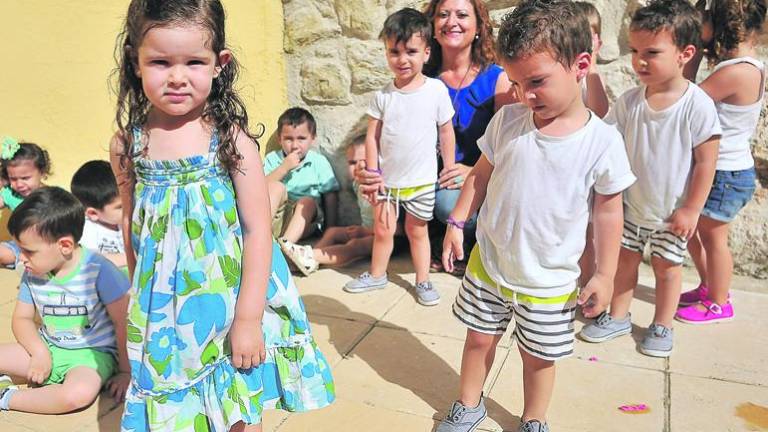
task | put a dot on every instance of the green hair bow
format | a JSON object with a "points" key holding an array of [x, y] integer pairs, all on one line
{"points": [[8, 148]]}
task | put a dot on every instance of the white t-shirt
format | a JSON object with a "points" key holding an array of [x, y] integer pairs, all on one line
{"points": [[739, 123], [660, 149], [408, 144], [531, 228], [101, 239]]}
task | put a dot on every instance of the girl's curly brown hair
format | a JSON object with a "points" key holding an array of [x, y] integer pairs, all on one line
{"points": [[224, 110], [483, 53], [733, 21]]}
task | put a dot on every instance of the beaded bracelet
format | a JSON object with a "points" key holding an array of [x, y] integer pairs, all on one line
{"points": [[453, 222], [372, 170]]}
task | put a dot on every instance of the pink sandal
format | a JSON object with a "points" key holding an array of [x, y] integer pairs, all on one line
{"points": [[714, 313]]}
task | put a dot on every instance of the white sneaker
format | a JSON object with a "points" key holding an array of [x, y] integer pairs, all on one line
{"points": [[301, 256]]}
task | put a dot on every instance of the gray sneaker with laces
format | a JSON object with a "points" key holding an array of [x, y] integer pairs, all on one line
{"points": [[657, 341], [463, 419], [605, 328], [365, 282], [533, 426], [426, 294]]}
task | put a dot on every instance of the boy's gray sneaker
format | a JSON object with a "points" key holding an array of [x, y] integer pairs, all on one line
{"points": [[533, 426], [605, 328], [426, 294], [365, 282], [463, 419], [657, 341]]}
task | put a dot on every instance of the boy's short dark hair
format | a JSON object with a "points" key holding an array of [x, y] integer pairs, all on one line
{"points": [[52, 211], [536, 26], [94, 184], [593, 15], [294, 117], [405, 23], [678, 17]]}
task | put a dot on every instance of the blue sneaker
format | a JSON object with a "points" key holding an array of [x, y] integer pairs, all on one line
{"points": [[365, 282], [533, 426], [605, 328], [657, 341], [463, 419], [426, 294]]}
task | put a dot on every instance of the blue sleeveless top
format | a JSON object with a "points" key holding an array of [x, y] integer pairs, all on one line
{"points": [[474, 106]]}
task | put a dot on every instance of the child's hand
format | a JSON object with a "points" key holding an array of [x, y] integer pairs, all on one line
{"points": [[39, 367], [453, 247], [247, 342], [596, 296], [453, 177], [292, 160], [118, 385], [683, 222]]}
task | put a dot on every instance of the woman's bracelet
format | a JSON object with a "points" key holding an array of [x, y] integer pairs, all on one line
{"points": [[373, 170], [458, 224]]}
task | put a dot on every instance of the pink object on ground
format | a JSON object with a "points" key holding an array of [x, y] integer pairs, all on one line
{"points": [[714, 313], [593, 359], [694, 296], [634, 409]]}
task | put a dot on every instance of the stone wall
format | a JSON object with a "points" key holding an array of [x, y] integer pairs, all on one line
{"points": [[335, 62]]}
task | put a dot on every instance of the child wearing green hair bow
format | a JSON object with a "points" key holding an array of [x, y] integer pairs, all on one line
{"points": [[23, 167]]}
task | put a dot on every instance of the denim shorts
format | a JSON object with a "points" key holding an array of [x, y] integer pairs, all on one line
{"points": [[731, 191]]}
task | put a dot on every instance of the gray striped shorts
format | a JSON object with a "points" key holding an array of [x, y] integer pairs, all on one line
{"points": [[664, 244], [419, 201]]}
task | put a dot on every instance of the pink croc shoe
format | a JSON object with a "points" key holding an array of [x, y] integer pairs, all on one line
{"points": [[694, 296], [714, 313]]}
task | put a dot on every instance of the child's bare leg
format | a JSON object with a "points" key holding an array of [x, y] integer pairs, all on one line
{"points": [[342, 254], [538, 383], [418, 237], [384, 226], [714, 238], [14, 360], [300, 224], [242, 427], [587, 260], [625, 282], [668, 284], [277, 196], [332, 236], [476, 362], [78, 391], [7, 256], [699, 256]]}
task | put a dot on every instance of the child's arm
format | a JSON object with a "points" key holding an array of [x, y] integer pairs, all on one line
{"points": [[26, 333], [683, 221], [472, 196], [125, 185], [447, 145], [608, 220], [118, 259], [291, 161], [331, 206], [372, 139], [597, 100], [250, 184], [118, 384]]}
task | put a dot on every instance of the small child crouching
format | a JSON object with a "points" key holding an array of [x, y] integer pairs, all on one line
{"points": [[81, 300]]}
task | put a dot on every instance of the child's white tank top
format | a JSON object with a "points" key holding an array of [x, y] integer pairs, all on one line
{"points": [[739, 123]]}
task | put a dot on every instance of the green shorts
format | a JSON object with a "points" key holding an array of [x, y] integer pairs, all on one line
{"points": [[285, 213], [63, 360]]}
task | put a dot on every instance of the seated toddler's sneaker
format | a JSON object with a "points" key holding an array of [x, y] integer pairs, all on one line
{"points": [[533, 426], [694, 296], [605, 327], [6, 389], [366, 282], [301, 256], [657, 341], [463, 419], [426, 294], [705, 312]]}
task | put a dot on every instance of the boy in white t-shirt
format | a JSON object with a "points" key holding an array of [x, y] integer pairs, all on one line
{"points": [[95, 186], [541, 162], [406, 119], [671, 131]]}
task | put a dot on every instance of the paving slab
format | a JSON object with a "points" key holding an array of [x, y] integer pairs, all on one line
{"points": [[700, 404], [336, 336], [405, 372], [734, 351], [588, 394], [345, 415]]}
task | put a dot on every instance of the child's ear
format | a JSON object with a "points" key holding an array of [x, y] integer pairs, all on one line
{"points": [[427, 51], [582, 64], [67, 245], [225, 56], [92, 214], [686, 54]]}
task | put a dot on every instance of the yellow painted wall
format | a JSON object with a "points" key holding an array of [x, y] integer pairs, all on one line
{"points": [[55, 63]]}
